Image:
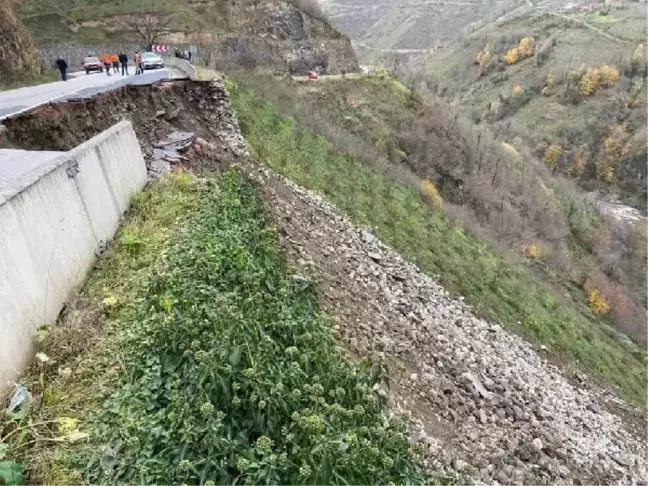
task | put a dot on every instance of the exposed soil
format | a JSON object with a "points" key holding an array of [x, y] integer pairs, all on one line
{"points": [[155, 111], [488, 406]]}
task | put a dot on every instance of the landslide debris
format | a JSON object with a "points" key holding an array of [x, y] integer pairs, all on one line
{"points": [[488, 403]]}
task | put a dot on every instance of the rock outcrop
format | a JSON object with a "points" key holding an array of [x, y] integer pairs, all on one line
{"points": [[18, 57], [272, 35]]}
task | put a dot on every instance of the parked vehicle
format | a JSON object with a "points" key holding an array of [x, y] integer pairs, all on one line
{"points": [[312, 75], [92, 64], [152, 61]]}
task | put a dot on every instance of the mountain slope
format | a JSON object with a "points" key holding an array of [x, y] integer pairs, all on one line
{"points": [[413, 24], [18, 57], [272, 34], [576, 100], [202, 351]]}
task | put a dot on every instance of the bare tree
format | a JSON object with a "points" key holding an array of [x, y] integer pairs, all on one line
{"points": [[151, 29]]}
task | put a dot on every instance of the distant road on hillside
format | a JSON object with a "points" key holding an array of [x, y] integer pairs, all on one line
{"points": [[17, 101]]}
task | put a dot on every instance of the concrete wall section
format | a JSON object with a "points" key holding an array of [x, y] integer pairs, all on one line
{"points": [[50, 230], [181, 65]]}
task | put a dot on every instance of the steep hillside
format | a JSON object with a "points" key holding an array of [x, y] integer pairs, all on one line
{"points": [[241, 329], [18, 56], [570, 87], [536, 216], [381, 25], [277, 35]]}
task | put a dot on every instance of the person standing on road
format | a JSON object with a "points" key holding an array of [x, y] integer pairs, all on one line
{"points": [[107, 63], [114, 58], [62, 66], [123, 60], [138, 63]]}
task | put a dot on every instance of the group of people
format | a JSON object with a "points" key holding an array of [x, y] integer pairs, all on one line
{"points": [[114, 62], [183, 54]]}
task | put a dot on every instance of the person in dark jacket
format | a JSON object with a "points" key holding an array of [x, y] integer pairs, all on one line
{"points": [[123, 60], [62, 66]]}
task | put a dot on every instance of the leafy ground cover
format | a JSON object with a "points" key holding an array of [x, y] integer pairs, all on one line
{"points": [[217, 365], [493, 284]]}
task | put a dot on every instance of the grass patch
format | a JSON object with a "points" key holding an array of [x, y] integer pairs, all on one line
{"points": [[48, 76], [600, 18], [218, 366], [495, 286]]}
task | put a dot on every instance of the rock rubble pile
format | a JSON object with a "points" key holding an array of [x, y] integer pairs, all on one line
{"points": [[488, 405]]}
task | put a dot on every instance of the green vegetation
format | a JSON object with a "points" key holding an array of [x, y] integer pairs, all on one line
{"points": [[217, 366], [495, 285], [601, 17], [574, 107], [48, 76], [87, 21]]}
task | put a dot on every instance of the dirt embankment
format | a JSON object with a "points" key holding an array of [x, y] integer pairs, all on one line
{"points": [[200, 107], [488, 405]]}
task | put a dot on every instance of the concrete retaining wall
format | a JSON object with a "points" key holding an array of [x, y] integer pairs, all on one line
{"points": [[54, 220], [74, 53], [181, 65]]}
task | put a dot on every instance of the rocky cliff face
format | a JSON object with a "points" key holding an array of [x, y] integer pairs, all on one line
{"points": [[275, 36], [272, 35], [18, 56], [302, 41]]}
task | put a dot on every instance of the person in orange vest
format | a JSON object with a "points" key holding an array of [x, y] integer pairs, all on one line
{"points": [[115, 63], [107, 61]]}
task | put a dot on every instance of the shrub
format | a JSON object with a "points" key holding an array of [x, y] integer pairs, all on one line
{"points": [[552, 156], [634, 98], [512, 56], [609, 75], [525, 48], [577, 167], [597, 302], [533, 251], [589, 82], [615, 148], [484, 56], [430, 192], [522, 51]]}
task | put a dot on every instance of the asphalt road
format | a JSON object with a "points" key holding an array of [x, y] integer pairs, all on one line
{"points": [[79, 85], [14, 164]]}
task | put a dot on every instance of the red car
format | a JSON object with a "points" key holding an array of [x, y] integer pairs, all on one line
{"points": [[312, 75], [92, 63]]}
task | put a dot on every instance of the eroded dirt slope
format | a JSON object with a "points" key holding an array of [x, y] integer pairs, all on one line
{"points": [[200, 107]]}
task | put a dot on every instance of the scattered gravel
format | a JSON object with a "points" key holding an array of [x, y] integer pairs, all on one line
{"points": [[486, 405]]}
